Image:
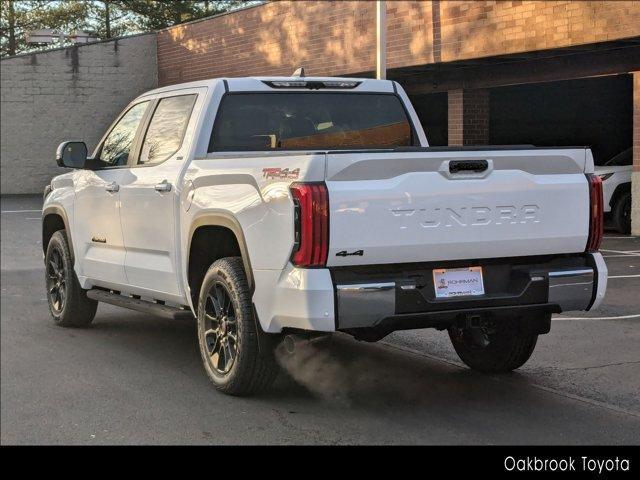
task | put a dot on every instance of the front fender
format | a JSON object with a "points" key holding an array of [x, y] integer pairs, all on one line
{"points": [[59, 202]]}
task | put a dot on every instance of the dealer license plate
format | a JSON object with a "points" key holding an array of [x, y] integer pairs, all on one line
{"points": [[458, 282]]}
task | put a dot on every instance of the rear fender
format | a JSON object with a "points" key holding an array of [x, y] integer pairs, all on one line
{"points": [[226, 220]]}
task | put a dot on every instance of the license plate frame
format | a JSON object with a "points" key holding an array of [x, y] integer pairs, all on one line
{"points": [[458, 282]]}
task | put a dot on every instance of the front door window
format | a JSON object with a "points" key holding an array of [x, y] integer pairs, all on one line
{"points": [[117, 146]]}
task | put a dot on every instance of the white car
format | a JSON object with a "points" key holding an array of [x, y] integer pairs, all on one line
{"points": [[293, 207], [616, 189]]}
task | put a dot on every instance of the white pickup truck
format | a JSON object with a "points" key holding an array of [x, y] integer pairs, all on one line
{"points": [[298, 206]]}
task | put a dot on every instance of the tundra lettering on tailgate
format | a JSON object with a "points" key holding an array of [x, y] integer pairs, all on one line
{"points": [[470, 216]]}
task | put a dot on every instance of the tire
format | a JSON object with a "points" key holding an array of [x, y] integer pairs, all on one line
{"points": [[505, 346], [622, 213], [68, 302], [226, 322]]}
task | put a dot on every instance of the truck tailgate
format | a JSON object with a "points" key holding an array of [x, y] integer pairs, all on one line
{"points": [[401, 207]]}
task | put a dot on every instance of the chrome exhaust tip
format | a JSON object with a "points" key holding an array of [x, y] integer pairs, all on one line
{"points": [[289, 344], [293, 341]]}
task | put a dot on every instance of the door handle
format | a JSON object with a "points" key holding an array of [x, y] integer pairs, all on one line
{"points": [[112, 187], [163, 186]]}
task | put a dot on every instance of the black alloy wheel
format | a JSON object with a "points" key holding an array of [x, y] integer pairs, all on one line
{"points": [[221, 328], [56, 281]]}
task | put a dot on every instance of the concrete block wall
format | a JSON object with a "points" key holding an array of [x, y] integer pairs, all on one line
{"points": [[71, 93]]}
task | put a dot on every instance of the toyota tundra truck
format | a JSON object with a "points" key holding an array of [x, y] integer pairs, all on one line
{"points": [[273, 207]]}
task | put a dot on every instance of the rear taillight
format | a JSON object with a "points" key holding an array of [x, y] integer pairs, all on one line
{"points": [[311, 202], [596, 213]]}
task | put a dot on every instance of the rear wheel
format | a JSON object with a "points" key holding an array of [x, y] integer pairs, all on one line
{"points": [[68, 302], [493, 346], [227, 332], [622, 213]]}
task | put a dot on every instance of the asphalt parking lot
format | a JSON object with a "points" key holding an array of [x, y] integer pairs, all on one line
{"points": [[131, 378]]}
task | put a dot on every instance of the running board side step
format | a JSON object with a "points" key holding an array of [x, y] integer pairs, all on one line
{"points": [[144, 306]]}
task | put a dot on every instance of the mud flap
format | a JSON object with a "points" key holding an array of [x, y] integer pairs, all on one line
{"points": [[538, 325], [267, 342]]}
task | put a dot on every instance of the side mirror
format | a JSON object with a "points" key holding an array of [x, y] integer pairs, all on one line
{"points": [[71, 154]]}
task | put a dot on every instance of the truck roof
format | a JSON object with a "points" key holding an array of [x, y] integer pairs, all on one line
{"points": [[258, 84]]}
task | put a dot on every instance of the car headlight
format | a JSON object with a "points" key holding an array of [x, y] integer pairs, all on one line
{"points": [[604, 176]]}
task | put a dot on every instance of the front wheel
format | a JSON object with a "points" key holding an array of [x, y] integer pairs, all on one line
{"points": [[68, 302], [227, 332], [493, 346]]}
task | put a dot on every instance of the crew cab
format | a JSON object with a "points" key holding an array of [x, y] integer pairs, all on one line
{"points": [[300, 206]]}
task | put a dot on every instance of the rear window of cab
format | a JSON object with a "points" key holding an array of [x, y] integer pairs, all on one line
{"points": [[304, 121]]}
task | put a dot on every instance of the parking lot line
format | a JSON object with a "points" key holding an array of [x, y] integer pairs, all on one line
{"points": [[621, 317], [623, 276], [631, 253], [20, 211]]}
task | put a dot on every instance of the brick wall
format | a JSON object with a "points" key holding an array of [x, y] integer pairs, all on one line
{"points": [[472, 29], [72, 93], [636, 121], [336, 38], [468, 117], [327, 38]]}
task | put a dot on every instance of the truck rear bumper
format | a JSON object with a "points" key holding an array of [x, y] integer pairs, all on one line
{"points": [[528, 288], [396, 297]]}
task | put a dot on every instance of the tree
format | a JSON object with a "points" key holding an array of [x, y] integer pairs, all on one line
{"points": [[11, 27], [157, 14], [17, 18], [103, 18], [111, 18]]}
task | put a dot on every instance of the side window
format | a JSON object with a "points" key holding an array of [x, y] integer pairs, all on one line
{"points": [[166, 130], [116, 147]]}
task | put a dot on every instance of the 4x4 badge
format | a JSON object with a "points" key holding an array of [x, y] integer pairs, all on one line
{"points": [[344, 253]]}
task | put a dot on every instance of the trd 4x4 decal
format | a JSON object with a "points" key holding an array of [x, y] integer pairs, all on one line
{"points": [[281, 173]]}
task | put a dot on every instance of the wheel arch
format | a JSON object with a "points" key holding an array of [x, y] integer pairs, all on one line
{"points": [[220, 226], [54, 218]]}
